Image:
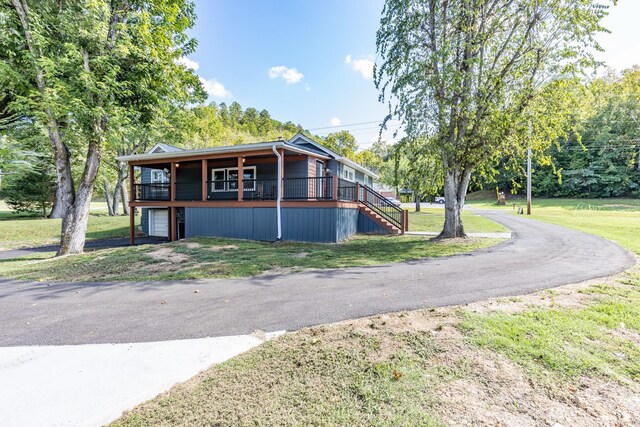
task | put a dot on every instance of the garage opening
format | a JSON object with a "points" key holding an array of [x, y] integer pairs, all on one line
{"points": [[159, 222]]}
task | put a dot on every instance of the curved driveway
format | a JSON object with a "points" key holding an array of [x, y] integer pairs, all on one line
{"points": [[538, 256]]}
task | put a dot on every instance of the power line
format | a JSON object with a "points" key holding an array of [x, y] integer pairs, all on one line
{"points": [[350, 125]]}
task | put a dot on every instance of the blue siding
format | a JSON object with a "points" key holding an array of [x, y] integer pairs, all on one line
{"points": [[309, 224], [367, 225], [347, 223], [144, 220], [296, 169], [322, 225], [145, 175]]}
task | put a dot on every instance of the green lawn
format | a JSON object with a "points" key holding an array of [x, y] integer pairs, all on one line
{"points": [[569, 356], [24, 230], [203, 258], [432, 219]]}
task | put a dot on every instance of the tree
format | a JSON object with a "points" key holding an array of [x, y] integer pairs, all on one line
{"points": [[342, 142], [30, 186], [423, 175], [464, 72], [101, 65]]}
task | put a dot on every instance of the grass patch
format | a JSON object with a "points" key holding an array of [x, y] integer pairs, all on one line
{"points": [[17, 230], [204, 258], [343, 377], [432, 220], [567, 342]]}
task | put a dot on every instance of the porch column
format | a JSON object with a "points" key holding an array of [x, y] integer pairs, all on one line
{"points": [[173, 227], [204, 180], [334, 187], [240, 178], [282, 173], [357, 195], [132, 217], [172, 180]]}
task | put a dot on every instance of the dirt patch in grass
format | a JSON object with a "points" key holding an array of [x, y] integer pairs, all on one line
{"points": [[166, 254], [192, 245], [223, 247], [495, 391]]}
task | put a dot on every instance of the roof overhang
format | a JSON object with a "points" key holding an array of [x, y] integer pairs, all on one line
{"points": [[230, 149]]}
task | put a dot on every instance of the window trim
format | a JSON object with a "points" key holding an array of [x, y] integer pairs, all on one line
{"points": [[226, 179], [348, 173]]}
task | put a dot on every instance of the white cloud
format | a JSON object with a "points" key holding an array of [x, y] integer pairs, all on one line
{"points": [[335, 121], [289, 75], [188, 63], [363, 65], [215, 89]]}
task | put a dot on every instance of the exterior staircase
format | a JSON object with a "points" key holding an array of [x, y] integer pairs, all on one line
{"points": [[379, 209]]}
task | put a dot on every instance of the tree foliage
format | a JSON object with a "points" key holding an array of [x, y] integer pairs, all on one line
{"points": [[464, 73], [85, 72]]}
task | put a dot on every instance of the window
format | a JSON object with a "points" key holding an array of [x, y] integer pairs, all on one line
{"points": [[159, 176], [348, 173], [227, 179], [218, 180]]}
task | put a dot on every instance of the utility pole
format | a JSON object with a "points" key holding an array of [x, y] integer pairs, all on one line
{"points": [[529, 173]]}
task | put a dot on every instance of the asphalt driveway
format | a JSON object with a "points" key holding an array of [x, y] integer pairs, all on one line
{"points": [[538, 256]]}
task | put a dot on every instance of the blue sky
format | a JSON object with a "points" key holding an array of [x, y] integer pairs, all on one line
{"points": [[309, 61]]}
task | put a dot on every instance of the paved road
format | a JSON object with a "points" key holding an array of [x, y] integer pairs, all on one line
{"points": [[538, 256]]}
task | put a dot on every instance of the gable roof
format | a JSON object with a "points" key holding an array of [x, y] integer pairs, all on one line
{"points": [[163, 148], [306, 140]]}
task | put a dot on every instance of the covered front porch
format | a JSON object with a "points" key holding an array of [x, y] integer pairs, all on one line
{"points": [[240, 178]]}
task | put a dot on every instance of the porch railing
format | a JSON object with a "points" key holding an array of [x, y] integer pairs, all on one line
{"points": [[346, 190], [152, 192], [310, 188], [260, 189]]}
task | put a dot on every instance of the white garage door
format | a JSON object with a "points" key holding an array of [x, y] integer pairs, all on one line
{"points": [[158, 223]]}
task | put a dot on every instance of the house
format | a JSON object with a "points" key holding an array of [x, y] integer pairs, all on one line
{"points": [[281, 190]]}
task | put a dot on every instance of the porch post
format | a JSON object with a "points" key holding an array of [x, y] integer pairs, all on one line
{"points": [[334, 187], [282, 174], [204, 180], [240, 179], [132, 218], [357, 195], [172, 185], [173, 226]]}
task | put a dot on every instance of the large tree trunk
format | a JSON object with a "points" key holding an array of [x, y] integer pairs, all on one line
{"points": [[107, 197], [120, 193], [456, 183], [124, 196], [74, 223], [64, 190], [417, 200]]}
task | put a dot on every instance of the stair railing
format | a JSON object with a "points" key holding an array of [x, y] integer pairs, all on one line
{"points": [[382, 206]]}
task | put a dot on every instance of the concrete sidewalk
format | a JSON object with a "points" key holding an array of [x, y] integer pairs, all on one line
{"points": [[90, 385]]}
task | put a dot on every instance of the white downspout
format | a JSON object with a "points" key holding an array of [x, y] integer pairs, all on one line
{"points": [[278, 216]]}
